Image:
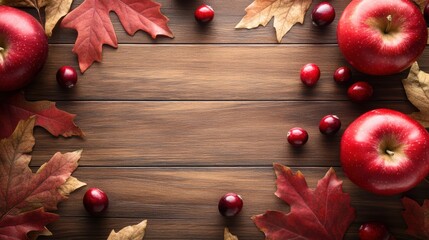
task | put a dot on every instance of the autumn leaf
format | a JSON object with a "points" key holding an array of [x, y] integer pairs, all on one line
{"points": [[92, 22], [416, 217], [322, 213], [54, 10], [228, 235], [286, 13], [134, 232], [417, 89], [24, 195], [14, 108]]}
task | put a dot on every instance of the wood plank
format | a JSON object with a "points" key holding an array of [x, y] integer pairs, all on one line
{"points": [[202, 133], [221, 30], [207, 72], [181, 203]]}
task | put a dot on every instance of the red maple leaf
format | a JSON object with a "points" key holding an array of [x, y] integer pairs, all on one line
{"points": [[416, 217], [92, 22], [15, 108], [322, 213]]}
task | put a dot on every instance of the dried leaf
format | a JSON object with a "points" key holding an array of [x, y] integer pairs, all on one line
{"points": [[416, 217], [25, 195], [286, 13], [15, 108], [54, 10], [228, 236], [417, 89], [322, 213], [92, 22], [134, 232]]}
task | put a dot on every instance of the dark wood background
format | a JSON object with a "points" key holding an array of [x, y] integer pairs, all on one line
{"points": [[173, 124]]}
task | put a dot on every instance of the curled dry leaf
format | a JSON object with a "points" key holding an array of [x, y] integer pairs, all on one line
{"points": [[286, 13], [24, 195], [93, 32], [227, 235], [134, 232], [14, 108], [416, 217], [322, 213], [417, 89], [54, 10]]}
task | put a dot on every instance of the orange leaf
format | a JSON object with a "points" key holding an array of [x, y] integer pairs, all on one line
{"points": [[134, 232], [15, 108], [21, 190], [286, 13], [92, 22]]}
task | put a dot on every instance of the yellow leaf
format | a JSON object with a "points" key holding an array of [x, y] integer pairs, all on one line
{"points": [[417, 89], [228, 236], [286, 13], [54, 10], [134, 232]]}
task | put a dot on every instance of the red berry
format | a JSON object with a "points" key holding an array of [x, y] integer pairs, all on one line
{"points": [[373, 231], [297, 136], [95, 201], [330, 124], [426, 13], [67, 76], [204, 14], [230, 204], [360, 92], [323, 14], [342, 75], [310, 74]]}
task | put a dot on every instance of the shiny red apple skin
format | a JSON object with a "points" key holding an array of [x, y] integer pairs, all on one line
{"points": [[385, 152], [364, 43], [95, 201], [25, 48]]}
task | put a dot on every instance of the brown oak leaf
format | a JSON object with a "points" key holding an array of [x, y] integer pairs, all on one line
{"points": [[92, 22], [227, 235], [134, 232], [286, 13], [54, 10], [322, 213], [417, 89], [416, 217], [24, 195], [14, 108]]}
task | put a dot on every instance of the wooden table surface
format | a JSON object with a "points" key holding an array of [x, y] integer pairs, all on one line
{"points": [[173, 124]]}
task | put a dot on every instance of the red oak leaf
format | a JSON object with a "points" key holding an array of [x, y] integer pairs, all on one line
{"points": [[22, 192], [15, 108], [92, 22], [322, 213], [416, 217]]}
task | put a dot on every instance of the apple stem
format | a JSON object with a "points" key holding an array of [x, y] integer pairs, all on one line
{"points": [[390, 153], [389, 24]]}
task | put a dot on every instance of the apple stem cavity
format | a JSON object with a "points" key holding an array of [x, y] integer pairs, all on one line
{"points": [[390, 153], [389, 24]]}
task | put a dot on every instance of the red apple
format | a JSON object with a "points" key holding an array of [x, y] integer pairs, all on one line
{"points": [[381, 37], [23, 48], [385, 152]]}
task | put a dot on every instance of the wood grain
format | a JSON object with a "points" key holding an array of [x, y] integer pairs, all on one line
{"points": [[200, 133], [181, 203], [208, 72]]}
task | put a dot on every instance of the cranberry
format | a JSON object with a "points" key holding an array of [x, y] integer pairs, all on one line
{"points": [[230, 204], [310, 74], [373, 231], [330, 124], [297, 136], [95, 201], [323, 14], [426, 13], [66, 76], [360, 92], [342, 75], [204, 14]]}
